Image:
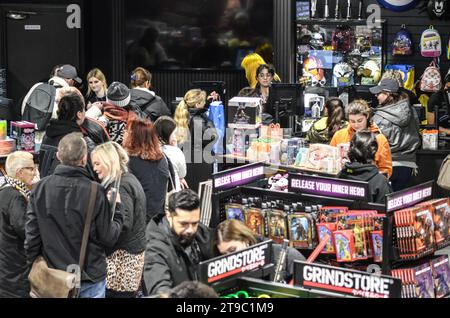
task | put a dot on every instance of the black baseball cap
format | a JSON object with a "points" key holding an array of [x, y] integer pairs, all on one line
{"points": [[69, 72], [386, 85]]}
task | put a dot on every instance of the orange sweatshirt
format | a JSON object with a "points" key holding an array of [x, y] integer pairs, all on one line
{"points": [[383, 158]]}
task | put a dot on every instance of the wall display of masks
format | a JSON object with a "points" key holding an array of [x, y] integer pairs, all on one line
{"points": [[332, 53]]}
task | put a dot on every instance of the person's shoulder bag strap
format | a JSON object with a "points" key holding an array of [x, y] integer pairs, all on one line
{"points": [[87, 224]]}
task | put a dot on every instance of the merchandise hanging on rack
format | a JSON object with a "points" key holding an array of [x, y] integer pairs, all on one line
{"points": [[415, 228]]}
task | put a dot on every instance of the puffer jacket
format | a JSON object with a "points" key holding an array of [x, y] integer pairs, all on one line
{"points": [[150, 104], [383, 159], [400, 124]]}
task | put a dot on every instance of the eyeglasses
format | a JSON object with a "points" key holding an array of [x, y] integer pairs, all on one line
{"points": [[29, 168], [265, 75]]}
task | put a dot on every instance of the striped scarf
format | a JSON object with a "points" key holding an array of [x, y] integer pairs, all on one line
{"points": [[19, 186]]}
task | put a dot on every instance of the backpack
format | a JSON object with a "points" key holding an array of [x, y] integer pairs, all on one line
{"points": [[402, 44], [39, 105], [431, 80], [443, 180], [430, 43]]}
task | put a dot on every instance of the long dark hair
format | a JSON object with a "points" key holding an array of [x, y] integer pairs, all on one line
{"points": [[394, 98], [336, 114]]}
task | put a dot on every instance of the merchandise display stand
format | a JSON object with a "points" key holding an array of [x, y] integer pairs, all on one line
{"points": [[249, 273], [396, 201], [416, 227]]}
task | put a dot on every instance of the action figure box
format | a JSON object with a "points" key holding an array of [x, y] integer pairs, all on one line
{"points": [[441, 219], [441, 276], [24, 133], [244, 112]]}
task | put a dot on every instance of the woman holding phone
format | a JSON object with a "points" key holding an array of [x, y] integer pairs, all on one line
{"points": [[125, 260]]}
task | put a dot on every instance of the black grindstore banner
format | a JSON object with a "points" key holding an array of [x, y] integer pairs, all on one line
{"points": [[345, 281]]}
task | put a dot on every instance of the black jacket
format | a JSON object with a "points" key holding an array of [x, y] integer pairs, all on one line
{"points": [[132, 238], [13, 265], [292, 255], [154, 178], [441, 101], [152, 105], [198, 118], [166, 262], [378, 184], [55, 222], [56, 131]]}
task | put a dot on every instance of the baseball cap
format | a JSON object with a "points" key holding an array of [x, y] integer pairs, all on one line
{"points": [[68, 71], [387, 84]]}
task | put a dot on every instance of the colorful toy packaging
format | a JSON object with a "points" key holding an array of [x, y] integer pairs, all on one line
{"points": [[23, 133]]}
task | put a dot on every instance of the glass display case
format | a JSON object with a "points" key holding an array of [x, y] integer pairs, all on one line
{"points": [[339, 53]]}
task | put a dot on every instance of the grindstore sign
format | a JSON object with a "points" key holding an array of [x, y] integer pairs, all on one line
{"points": [[329, 187], [237, 177], [231, 265], [345, 281], [409, 197]]}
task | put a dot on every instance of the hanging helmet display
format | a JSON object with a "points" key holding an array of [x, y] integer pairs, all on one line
{"points": [[370, 73], [343, 39], [317, 41], [313, 68], [343, 75]]}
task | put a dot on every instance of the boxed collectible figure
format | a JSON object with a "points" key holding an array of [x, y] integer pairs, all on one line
{"points": [[344, 243], [324, 229], [23, 133], [244, 112], [441, 218], [235, 211], [441, 276], [255, 221], [424, 281], [377, 245], [301, 230], [276, 221]]}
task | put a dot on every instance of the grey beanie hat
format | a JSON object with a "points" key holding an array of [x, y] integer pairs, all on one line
{"points": [[118, 94]]}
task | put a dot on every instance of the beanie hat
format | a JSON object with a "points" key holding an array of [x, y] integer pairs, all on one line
{"points": [[118, 94]]}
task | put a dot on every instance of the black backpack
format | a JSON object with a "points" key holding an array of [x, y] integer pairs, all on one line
{"points": [[39, 106]]}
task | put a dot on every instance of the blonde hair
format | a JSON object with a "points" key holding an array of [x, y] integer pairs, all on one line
{"points": [[17, 160], [114, 158], [250, 64], [181, 117], [98, 75]]}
